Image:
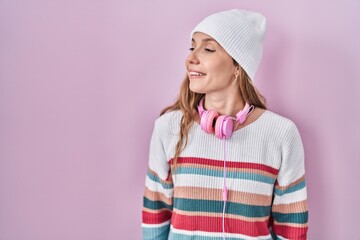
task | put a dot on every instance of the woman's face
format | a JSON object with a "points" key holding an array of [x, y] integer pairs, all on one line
{"points": [[210, 69]]}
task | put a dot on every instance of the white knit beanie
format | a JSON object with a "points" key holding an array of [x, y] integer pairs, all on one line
{"points": [[240, 33]]}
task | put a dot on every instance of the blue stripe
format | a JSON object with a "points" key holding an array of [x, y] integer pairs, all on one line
{"points": [[155, 205], [157, 179], [294, 188], [291, 217], [229, 174], [195, 205], [159, 233]]}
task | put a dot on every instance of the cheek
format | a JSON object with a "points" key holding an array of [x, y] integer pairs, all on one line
{"points": [[221, 70]]}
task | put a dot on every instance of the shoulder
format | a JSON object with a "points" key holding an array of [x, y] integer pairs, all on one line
{"points": [[286, 128], [277, 119], [278, 124], [169, 121], [172, 117]]}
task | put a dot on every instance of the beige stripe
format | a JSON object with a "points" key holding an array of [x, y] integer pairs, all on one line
{"points": [[283, 188], [155, 211], [157, 196], [296, 207], [247, 170], [216, 194], [168, 180], [299, 225], [210, 214]]}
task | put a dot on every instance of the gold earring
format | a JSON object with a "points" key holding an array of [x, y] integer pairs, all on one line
{"points": [[236, 77]]}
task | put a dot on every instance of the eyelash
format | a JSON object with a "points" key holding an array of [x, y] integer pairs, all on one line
{"points": [[206, 49]]}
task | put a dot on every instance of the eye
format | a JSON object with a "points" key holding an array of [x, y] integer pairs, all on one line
{"points": [[209, 50], [191, 49]]}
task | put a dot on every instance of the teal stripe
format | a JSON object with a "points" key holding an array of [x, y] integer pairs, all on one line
{"points": [[229, 174], [159, 233], [294, 188], [195, 205], [155, 205], [178, 236], [157, 179], [291, 217]]}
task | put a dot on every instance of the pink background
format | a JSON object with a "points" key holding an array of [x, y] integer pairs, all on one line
{"points": [[81, 83]]}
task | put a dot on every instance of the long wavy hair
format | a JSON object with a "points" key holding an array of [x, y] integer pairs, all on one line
{"points": [[188, 100]]}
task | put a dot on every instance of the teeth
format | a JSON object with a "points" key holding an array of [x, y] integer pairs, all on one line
{"points": [[196, 74]]}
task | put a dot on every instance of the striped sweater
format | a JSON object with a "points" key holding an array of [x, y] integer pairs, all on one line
{"points": [[267, 196]]}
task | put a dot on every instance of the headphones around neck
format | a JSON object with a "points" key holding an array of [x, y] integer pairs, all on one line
{"points": [[221, 125]]}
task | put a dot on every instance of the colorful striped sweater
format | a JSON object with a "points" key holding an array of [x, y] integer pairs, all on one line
{"points": [[267, 196]]}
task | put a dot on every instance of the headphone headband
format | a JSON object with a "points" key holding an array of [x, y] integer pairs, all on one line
{"points": [[200, 107], [242, 115]]}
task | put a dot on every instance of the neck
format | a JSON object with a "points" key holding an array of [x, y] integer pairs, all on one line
{"points": [[224, 105]]}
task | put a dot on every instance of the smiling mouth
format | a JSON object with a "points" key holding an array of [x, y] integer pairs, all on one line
{"points": [[193, 74]]}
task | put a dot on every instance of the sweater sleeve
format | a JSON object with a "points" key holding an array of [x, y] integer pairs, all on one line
{"points": [[289, 210], [157, 202]]}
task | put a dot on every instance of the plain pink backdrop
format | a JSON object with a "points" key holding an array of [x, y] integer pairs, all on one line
{"points": [[81, 83]]}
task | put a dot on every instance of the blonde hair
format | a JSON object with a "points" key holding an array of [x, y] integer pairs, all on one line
{"points": [[187, 102]]}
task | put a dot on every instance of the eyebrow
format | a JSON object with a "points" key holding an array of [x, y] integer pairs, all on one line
{"points": [[204, 40]]}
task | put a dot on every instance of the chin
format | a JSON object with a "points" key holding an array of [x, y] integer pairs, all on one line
{"points": [[196, 89]]}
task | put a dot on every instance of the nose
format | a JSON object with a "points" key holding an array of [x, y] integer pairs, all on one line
{"points": [[192, 58]]}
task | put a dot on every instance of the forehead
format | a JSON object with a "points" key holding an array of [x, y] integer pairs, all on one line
{"points": [[202, 38], [199, 37]]}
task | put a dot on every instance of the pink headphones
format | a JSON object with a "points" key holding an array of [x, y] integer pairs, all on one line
{"points": [[222, 125]]}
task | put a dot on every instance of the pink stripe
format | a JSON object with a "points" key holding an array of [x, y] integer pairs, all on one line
{"points": [[229, 164], [214, 224], [291, 232], [156, 218]]}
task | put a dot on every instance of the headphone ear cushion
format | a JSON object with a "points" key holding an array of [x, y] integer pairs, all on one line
{"points": [[207, 121], [224, 127]]}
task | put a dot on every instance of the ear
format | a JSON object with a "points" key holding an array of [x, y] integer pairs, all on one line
{"points": [[237, 71]]}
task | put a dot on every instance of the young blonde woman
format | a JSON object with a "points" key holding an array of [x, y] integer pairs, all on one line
{"points": [[222, 166]]}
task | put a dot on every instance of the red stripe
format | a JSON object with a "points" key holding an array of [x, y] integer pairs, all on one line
{"points": [[156, 218], [214, 224], [291, 232], [230, 164]]}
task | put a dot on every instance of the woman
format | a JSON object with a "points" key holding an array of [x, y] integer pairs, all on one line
{"points": [[221, 165]]}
